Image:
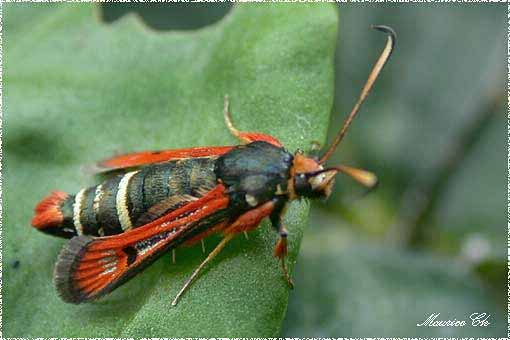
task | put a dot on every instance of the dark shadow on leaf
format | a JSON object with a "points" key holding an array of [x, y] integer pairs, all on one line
{"points": [[168, 16], [35, 146]]}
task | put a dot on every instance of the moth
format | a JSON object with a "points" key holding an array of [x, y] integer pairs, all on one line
{"points": [[178, 197]]}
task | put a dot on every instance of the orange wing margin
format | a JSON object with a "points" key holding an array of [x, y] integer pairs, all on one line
{"points": [[89, 267], [147, 157], [250, 137]]}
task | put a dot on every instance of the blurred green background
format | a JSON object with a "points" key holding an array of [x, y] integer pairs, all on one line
{"points": [[431, 238]]}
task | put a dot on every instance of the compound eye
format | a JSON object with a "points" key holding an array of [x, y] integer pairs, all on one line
{"points": [[301, 184]]}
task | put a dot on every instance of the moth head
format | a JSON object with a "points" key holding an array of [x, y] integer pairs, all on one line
{"points": [[311, 179], [315, 184]]}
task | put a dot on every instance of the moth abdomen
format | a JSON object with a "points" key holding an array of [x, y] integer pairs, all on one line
{"points": [[54, 215], [126, 201]]}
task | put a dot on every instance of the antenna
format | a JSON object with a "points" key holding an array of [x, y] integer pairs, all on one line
{"points": [[385, 55]]}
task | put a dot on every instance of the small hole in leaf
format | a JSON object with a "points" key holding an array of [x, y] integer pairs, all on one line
{"points": [[168, 16]]}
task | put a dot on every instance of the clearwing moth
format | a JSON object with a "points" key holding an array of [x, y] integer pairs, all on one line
{"points": [[173, 197]]}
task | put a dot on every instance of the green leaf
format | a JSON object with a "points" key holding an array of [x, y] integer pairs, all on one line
{"points": [[77, 90]]}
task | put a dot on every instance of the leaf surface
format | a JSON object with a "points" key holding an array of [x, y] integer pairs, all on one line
{"points": [[78, 90]]}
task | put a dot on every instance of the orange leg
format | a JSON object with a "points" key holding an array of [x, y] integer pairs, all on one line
{"points": [[252, 219], [246, 137], [245, 222], [280, 251], [211, 256]]}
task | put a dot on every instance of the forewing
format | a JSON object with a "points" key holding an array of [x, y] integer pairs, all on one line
{"points": [[148, 157], [90, 267]]}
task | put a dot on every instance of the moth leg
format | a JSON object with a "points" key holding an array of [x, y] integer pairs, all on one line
{"points": [[228, 120], [173, 256], [211, 256], [247, 221], [280, 250], [246, 235], [250, 219], [203, 245], [245, 137]]}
